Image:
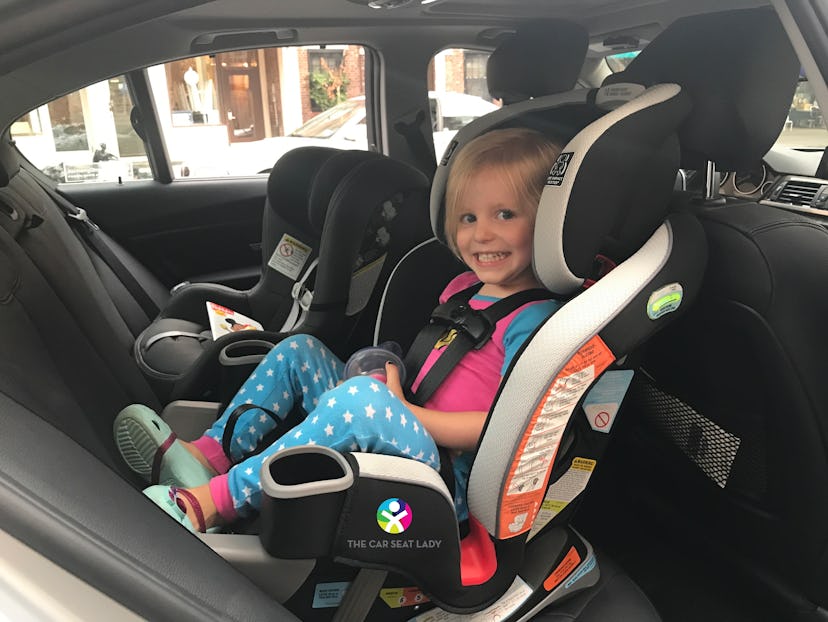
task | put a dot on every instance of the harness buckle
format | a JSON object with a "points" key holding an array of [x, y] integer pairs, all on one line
{"points": [[302, 295]]}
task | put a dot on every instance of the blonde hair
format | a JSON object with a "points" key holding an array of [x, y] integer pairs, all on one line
{"points": [[523, 156]]}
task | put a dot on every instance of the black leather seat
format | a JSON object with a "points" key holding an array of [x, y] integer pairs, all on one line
{"points": [[735, 401]]}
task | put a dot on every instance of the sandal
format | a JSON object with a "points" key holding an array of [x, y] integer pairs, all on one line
{"points": [[169, 499], [149, 447]]}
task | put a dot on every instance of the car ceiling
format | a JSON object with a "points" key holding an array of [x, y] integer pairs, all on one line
{"points": [[50, 47]]}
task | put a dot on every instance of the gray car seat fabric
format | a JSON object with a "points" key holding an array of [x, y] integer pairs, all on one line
{"points": [[40, 230]]}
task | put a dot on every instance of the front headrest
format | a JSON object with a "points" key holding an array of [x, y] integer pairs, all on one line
{"points": [[542, 58], [327, 179], [9, 162], [740, 71], [290, 182], [609, 189]]}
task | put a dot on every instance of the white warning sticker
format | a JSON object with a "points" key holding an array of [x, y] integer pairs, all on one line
{"points": [[289, 256], [507, 604], [562, 492], [602, 402]]}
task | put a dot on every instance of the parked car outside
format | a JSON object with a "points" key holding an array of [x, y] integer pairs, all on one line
{"points": [[341, 127]]}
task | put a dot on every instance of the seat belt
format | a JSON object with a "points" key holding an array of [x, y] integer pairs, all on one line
{"points": [[302, 299], [79, 220], [473, 329]]}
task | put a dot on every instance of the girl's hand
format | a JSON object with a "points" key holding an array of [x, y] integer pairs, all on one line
{"points": [[393, 381]]}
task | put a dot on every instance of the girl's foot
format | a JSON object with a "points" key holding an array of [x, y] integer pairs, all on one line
{"points": [[193, 508], [150, 448]]}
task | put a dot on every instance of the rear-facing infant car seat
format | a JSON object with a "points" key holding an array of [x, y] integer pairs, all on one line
{"points": [[316, 292], [541, 440]]}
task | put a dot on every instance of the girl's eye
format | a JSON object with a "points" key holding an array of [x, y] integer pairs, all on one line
{"points": [[505, 214], [467, 219]]}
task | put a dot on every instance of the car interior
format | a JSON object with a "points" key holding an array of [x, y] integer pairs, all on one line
{"points": [[656, 450]]}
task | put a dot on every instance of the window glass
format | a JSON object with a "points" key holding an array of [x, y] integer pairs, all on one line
{"points": [[457, 93], [85, 136], [236, 113], [805, 127]]}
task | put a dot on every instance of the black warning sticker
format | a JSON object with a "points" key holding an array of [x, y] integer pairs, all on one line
{"points": [[558, 170]]}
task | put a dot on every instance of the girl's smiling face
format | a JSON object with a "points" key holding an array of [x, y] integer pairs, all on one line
{"points": [[494, 234]]}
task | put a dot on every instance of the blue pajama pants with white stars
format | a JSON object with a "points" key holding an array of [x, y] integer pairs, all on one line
{"points": [[361, 414]]}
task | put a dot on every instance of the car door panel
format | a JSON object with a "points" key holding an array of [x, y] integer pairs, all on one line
{"points": [[198, 230]]}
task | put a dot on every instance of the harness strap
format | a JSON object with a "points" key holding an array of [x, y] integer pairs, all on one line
{"points": [[230, 426], [474, 329]]}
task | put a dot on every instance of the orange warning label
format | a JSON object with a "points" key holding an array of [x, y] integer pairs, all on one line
{"points": [[560, 573], [403, 597], [532, 463]]}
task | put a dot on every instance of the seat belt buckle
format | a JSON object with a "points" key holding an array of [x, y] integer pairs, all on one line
{"points": [[302, 295], [83, 217]]}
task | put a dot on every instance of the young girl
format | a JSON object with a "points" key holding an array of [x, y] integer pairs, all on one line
{"points": [[491, 199]]}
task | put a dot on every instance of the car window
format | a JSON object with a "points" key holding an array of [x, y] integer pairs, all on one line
{"points": [[805, 127], [236, 113], [85, 136], [458, 93]]}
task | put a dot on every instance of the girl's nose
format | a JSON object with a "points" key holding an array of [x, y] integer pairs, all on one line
{"points": [[482, 231]]}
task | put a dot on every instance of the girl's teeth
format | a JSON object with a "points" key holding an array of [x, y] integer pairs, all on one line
{"points": [[484, 257]]}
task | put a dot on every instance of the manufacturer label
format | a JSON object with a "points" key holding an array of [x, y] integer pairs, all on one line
{"points": [[289, 256]]}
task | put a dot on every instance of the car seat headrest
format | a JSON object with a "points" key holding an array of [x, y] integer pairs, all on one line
{"points": [[290, 182], [326, 181], [741, 81], [612, 185], [609, 189], [9, 163], [517, 71]]}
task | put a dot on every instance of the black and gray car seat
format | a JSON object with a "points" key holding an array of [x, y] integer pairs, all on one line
{"points": [[180, 334], [519, 555], [370, 215], [740, 416]]}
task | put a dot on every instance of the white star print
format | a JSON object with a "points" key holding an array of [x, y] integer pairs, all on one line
{"points": [[403, 420], [285, 395], [419, 455], [242, 390], [249, 400], [329, 430], [252, 376], [394, 442], [311, 442], [298, 434], [431, 457], [280, 357], [260, 387], [263, 418], [281, 447], [230, 406], [294, 345], [347, 416], [251, 429], [324, 354], [239, 440], [246, 492], [269, 372], [316, 378], [353, 390], [315, 401], [315, 419], [374, 387], [304, 389], [332, 402], [354, 447], [416, 427], [309, 341], [388, 413], [407, 450], [248, 471], [305, 366]]}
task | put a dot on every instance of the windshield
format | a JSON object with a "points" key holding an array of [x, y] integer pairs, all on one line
{"points": [[329, 122]]}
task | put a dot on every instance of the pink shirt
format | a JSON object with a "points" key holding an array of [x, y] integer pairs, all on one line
{"points": [[474, 381]]}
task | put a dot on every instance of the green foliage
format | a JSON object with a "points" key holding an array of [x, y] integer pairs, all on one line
{"points": [[328, 87]]}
